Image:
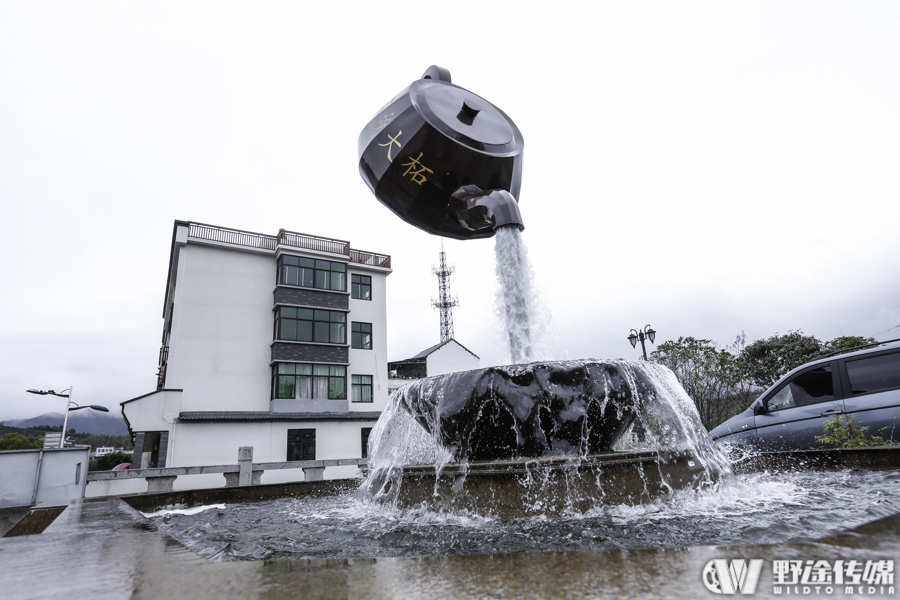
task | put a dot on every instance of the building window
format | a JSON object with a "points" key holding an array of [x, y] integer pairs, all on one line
{"points": [[362, 388], [364, 440], [361, 287], [301, 444], [307, 272], [310, 325], [361, 335], [309, 382]]}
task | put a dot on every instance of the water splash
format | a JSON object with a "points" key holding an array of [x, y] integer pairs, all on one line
{"points": [[756, 508], [434, 421], [672, 422]]}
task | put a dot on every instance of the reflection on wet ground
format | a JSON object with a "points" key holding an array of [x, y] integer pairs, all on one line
{"points": [[102, 548]]}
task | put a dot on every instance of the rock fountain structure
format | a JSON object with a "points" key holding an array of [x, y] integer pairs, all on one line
{"points": [[533, 437]]}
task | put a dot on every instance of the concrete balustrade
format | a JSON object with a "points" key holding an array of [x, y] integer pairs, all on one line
{"points": [[244, 473]]}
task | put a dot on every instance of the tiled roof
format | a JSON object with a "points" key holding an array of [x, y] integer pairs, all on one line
{"points": [[428, 351]]}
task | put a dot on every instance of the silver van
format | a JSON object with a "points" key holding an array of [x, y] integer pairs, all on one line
{"points": [[790, 414]]}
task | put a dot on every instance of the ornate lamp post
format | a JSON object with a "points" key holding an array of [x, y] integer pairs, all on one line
{"points": [[69, 407], [646, 332]]}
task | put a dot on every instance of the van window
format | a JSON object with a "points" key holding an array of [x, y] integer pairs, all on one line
{"points": [[806, 388], [874, 374]]}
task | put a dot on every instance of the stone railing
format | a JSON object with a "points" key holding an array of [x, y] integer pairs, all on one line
{"points": [[246, 472]]}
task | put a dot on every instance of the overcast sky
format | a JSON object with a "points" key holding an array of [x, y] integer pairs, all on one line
{"points": [[703, 167]]}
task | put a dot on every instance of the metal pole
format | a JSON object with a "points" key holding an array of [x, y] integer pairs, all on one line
{"points": [[62, 438], [37, 477], [641, 337]]}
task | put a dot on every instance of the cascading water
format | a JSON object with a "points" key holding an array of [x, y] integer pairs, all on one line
{"points": [[515, 294]]}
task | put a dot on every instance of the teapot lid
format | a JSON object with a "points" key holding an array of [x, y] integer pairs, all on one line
{"points": [[463, 116]]}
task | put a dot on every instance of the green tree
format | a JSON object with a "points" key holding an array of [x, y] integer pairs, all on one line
{"points": [[765, 361], [708, 374], [96, 440], [745, 391], [106, 463], [17, 441], [847, 342]]}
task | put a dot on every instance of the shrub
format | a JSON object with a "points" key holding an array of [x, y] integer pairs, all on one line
{"points": [[106, 463], [843, 431]]}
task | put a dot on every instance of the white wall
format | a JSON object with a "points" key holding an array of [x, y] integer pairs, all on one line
{"points": [[220, 351], [155, 412], [115, 487], [450, 358], [217, 443], [370, 362], [63, 475]]}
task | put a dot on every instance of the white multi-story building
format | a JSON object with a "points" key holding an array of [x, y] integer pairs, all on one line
{"points": [[278, 342]]}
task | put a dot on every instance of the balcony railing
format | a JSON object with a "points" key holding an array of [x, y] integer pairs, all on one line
{"points": [[161, 373], [291, 239], [313, 242], [370, 258], [231, 236]]}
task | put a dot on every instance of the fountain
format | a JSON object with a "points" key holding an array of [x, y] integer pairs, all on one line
{"points": [[449, 162], [531, 465]]}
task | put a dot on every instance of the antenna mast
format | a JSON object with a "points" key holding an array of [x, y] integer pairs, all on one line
{"points": [[445, 303]]}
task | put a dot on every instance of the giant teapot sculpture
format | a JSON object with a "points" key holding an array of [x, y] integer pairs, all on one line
{"points": [[444, 159]]}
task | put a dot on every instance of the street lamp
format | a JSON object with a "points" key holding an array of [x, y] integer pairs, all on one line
{"points": [[646, 332], [69, 407]]}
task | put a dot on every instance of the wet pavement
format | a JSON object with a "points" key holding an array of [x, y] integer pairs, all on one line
{"points": [[102, 548]]}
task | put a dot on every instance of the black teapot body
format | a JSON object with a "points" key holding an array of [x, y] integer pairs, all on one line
{"points": [[444, 159]]}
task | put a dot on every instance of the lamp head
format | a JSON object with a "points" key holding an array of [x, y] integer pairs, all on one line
{"points": [[633, 339], [651, 334]]}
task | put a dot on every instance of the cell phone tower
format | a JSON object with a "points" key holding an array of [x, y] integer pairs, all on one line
{"points": [[444, 302]]}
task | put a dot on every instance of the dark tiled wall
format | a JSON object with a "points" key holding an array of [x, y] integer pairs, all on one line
{"points": [[163, 449], [310, 353], [288, 295], [138, 450]]}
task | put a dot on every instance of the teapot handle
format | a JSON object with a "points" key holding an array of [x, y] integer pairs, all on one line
{"points": [[436, 72]]}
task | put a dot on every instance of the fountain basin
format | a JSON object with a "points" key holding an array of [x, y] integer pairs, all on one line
{"points": [[543, 409], [518, 488]]}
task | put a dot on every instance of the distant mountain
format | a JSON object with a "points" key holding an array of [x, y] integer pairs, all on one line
{"points": [[86, 421]]}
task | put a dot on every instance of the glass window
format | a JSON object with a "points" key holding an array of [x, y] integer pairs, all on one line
{"points": [[309, 382], [283, 384], [361, 336], [338, 276], [811, 387], [301, 444], [308, 325], [361, 287], [874, 374], [306, 272], [362, 388]]}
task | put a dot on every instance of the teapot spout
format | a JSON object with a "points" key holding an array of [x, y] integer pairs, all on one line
{"points": [[481, 211]]}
